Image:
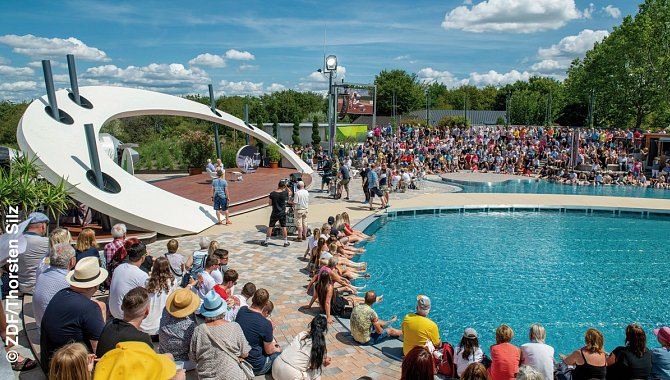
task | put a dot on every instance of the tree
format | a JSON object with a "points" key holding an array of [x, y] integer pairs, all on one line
{"points": [[409, 94], [296, 133], [628, 71], [316, 133]]}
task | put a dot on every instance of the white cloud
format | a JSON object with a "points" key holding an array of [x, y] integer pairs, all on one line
{"points": [[318, 82], [33, 46], [241, 88], [445, 77], [247, 67], [239, 55], [556, 59], [207, 59], [588, 12], [18, 86], [401, 57], [16, 71], [275, 87], [612, 11], [491, 78], [3, 60], [169, 78], [516, 16]]}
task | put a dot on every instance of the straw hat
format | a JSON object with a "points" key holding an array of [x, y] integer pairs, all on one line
{"points": [[134, 360], [182, 303], [87, 273]]}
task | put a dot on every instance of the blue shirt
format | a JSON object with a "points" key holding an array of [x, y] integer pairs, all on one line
{"points": [[372, 179], [70, 317], [210, 167], [219, 186], [660, 363], [50, 282], [257, 330]]}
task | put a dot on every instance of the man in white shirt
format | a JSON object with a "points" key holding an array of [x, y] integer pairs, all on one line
{"points": [[248, 291], [127, 276], [300, 205]]}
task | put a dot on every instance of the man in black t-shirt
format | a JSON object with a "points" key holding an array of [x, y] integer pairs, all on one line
{"points": [[278, 200], [364, 179], [135, 308]]}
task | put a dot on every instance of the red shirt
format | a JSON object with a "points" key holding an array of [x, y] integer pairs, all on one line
{"points": [[505, 361], [220, 290]]}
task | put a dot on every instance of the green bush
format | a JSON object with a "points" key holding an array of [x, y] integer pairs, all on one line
{"points": [[229, 154], [273, 153], [161, 154], [451, 121], [296, 133], [197, 147], [316, 134]]}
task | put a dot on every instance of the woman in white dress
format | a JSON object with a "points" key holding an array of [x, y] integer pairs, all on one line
{"points": [[160, 285], [306, 355]]}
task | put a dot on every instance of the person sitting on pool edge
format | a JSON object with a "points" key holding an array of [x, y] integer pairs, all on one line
{"points": [[366, 328], [417, 328]]}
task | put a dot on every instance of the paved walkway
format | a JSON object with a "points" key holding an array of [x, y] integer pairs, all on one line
{"points": [[278, 269]]}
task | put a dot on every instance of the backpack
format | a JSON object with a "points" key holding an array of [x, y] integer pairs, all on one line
{"points": [[445, 366]]}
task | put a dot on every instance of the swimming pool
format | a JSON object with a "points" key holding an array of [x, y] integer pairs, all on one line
{"points": [[567, 271], [546, 187]]}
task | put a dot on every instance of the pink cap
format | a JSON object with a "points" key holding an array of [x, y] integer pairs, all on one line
{"points": [[663, 333]]}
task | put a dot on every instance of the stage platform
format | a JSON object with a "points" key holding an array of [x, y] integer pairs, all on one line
{"points": [[245, 195]]}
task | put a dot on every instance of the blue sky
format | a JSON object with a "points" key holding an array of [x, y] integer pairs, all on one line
{"points": [[254, 47]]}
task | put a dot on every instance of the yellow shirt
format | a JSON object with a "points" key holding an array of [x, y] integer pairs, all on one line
{"points": [[416, 330]]}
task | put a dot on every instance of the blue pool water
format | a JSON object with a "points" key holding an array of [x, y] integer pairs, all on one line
{"points": [[568, 272], [546, 187]]}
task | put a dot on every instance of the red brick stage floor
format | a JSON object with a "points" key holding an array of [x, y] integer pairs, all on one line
{"points": [[247, 194]]}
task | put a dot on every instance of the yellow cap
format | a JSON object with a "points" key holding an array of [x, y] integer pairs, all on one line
{"points": [[134, 360]]}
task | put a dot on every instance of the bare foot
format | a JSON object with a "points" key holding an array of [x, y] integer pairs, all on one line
{"points": [[380, 298]]}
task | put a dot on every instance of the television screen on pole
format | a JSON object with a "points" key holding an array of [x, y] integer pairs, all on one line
{"points": [[357, 101]]}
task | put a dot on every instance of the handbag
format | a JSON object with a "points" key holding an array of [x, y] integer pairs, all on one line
{"points": [[246, 368]]}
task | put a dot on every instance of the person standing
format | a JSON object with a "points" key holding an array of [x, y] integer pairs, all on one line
{"points": [[344, 183], [220, 196], [373, 186], [301, 204], [278, 200], [364, 182]]}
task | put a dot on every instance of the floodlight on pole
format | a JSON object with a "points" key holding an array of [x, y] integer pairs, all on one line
{"points": [[331, 68], [331, 63]]}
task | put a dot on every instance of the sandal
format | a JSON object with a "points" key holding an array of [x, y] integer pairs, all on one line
{"points": [[228, 222], [25, 365]]}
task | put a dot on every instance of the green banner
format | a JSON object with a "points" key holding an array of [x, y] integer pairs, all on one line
{"points": [[349, 132]]}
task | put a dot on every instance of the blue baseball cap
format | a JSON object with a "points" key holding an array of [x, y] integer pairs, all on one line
{"points": [[38, 217]]}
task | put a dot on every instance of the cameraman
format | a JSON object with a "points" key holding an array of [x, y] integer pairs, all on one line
{"points": [[278, 200]]}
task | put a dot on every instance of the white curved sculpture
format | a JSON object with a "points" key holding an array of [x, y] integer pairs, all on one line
{"points": [[61, 151]]}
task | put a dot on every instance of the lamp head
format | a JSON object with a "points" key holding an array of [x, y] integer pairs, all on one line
{"points": [[331, 63]]}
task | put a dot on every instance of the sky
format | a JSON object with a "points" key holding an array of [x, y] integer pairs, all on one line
{"points": [[255, 47]]}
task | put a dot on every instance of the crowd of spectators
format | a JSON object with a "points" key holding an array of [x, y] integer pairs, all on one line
{"points": [[601, 157], [178, 315]]}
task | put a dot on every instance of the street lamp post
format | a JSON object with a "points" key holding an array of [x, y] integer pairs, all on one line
{"points": [[427, 107], [331, 67]]}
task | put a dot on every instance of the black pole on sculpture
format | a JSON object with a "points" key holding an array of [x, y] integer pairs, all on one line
{"points": [[212, 106], [246, 121], [74, 85], [51, 93], [93, 155]]}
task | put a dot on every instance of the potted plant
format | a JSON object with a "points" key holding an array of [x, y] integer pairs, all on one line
{"points": [[197, 147], [273, 156]]}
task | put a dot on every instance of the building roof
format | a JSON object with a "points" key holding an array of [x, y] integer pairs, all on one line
{"points": [[475, 117], [382, 121]]}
